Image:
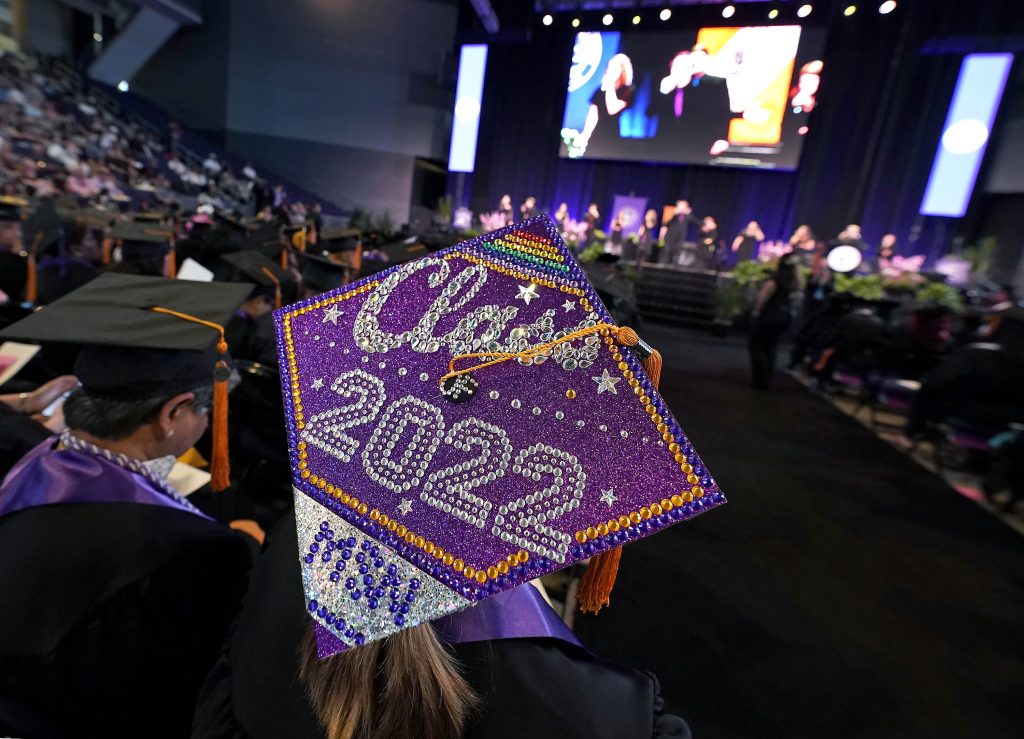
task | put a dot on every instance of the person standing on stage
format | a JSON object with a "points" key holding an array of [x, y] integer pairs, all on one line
{"points": [[770, 318], [709, 255], [674, 233], [802, 243], [505, 208], [886, 251], [647, 238], [745, 241], [528, 209], [593, 221], [561, 216]]}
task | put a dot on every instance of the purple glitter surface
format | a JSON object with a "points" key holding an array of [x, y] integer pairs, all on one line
{"points": [[571, 447]]}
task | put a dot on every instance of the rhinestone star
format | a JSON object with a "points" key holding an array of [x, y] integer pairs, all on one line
{"points": [[405, 506], [527, 293], [608, 496], [318, 383], [332, 313], [569, 305], [606, 382]]}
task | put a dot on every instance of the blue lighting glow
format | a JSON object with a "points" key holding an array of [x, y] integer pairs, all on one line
{"points": [[469, 91], [965, 134]]}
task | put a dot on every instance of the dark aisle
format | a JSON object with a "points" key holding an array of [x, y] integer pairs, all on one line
{"points": [[844, 591]]}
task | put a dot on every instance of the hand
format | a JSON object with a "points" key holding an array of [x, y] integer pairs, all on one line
{"points": [[44, 395], [250, 527]]}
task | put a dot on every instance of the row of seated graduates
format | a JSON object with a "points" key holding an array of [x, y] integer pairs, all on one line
{"points": [[954, 379], [51, 249], [54, 246]]}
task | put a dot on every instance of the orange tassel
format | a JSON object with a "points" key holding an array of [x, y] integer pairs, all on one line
{"points": [[596, 585], [107, 251], [31, 284], [277, 285], [171, 265], [220, 463]]}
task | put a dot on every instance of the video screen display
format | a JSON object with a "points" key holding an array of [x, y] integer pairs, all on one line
{"points": [[736, 97]]}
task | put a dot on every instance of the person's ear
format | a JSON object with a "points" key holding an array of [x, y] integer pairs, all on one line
{"points": [[167, 416]]}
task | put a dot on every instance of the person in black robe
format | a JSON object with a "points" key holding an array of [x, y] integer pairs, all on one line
{"points": [[693, 109], [526, 686], [23, 425], [117, 592], [770, 319], [675, 233], [743, 246], [600, 136]]}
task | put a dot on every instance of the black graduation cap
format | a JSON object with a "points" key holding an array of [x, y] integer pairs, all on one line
{"points": [[265, 239], [234, 225], [144, 244], [270, 278], [321, 272], [145, 337], [393, 254], [339, 239], [12, 208]]}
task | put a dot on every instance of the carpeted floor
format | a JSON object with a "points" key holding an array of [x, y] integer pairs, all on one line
{"points": [[843, 592]]}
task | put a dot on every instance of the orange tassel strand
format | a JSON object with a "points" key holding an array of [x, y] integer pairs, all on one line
{"points": [[220, 463], [277, 285], [596, 585]]}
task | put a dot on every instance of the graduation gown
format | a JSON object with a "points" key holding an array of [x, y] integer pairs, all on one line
{"points": [[114, 604], [529, 687], [19, 434]]}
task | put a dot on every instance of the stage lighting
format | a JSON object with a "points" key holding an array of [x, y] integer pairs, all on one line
{"points": [[850, 10], [636, 20], [575, 22], [804, 11], [607, 20], [773, 13], [547, 20], [887, 7], [97, 37], [123, 86], [728, 11], [665, 14]]}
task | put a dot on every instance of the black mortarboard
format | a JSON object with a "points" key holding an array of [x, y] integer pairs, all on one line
{"points": [[264, 239], [321, 273], [271, 280], [144, 244], [145, 337], [11, 208], [393, 254], [338, 239]]}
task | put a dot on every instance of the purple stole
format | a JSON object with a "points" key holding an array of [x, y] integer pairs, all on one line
{"points": [[48, 476]]}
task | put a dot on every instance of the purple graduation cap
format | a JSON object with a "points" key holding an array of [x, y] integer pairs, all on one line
{"points": [[461, 424]]}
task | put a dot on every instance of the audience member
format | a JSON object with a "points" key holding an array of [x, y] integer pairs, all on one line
{"points": [[770, 318]]}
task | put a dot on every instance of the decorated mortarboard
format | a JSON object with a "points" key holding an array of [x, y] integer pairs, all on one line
{"points": [[145, 337], [464, 423], [270, 278]]}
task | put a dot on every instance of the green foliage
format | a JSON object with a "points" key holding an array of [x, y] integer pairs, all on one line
{"points": [[384, 225], [749, 273], [980, 255], [592, 252], [445, 207], [865, 287], [598, 235], [938, 293]]}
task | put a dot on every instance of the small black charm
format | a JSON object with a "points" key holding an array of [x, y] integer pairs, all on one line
{"points": [[460, 388]]}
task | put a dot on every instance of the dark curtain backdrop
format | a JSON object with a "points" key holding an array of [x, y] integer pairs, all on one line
{"points": [[866, 159]]}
